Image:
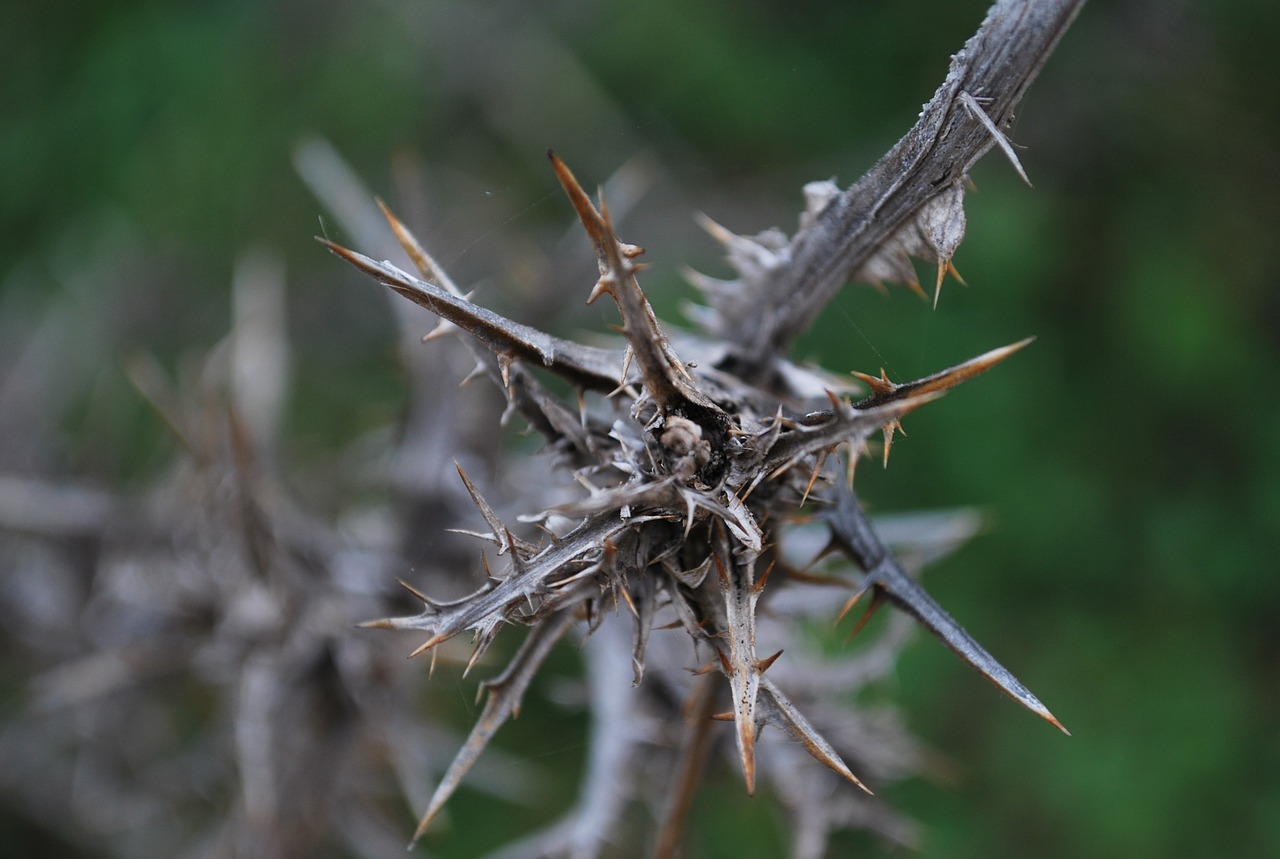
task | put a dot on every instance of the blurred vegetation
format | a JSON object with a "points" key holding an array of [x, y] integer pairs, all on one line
{"points": [[1128, 458]]}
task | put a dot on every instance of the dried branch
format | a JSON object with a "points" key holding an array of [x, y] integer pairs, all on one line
{"points": [[584, 366], [910, 202], [505, 694], [886, 579]]}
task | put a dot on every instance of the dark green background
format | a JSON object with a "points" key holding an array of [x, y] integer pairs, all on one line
{"points": [[1129, 457]]}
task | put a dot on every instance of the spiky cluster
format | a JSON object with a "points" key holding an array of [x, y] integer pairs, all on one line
{"points": [[694, 462], [698, 460], [690, 470], [710, 514]]}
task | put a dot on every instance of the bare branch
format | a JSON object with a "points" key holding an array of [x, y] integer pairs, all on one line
{"points": [[854, 228], [887, 580], [505, 694], [585, 366]]}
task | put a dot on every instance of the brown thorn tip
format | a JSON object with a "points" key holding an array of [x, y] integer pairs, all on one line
{"points": [[758, 587], [721, 572], [877, 599], [386, 212], [411, 589], [333, 246], [626, 597], [848, 606], [725, 665], [763, 665], [430, 643], [813, 478]]}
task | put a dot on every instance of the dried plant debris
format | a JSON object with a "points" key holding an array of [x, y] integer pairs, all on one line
{"points": [[692, 473]]}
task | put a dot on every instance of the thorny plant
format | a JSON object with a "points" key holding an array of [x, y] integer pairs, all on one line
{"points": [[701, 496], [694, 460]]}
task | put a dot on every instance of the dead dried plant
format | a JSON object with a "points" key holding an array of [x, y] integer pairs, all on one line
{"points": [[709, 514], [695, 455]]}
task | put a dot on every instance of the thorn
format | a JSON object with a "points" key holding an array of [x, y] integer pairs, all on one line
{"points": [[442, 328], [413, 249], [715, 230], [851, 465], [877, 600], [880, 386], [476, 653], [726, 716], [763, 665], [417, 593], [690, 510], [758, 587], [813, 478], [997, 135], [721, 572], [888, 437], [592, 222], [430, 643], [850, 603], [626, 597], [945, 268], [627, 356], [604, 286], [501, 535], [477, 371], [338, 250], [725, 665], [949, 378]]}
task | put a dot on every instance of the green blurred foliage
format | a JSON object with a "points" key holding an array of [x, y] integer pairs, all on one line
{"points": [[1128, 458]]}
